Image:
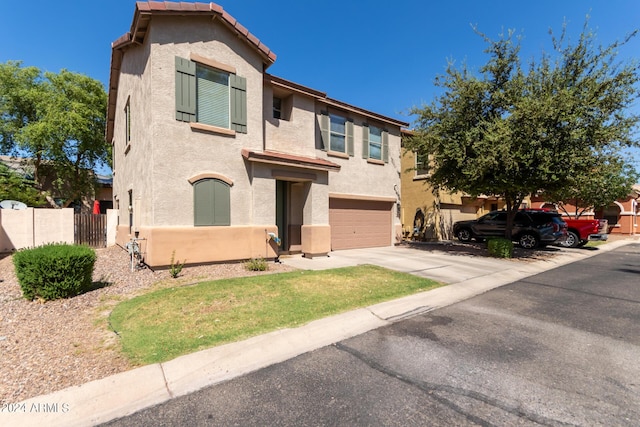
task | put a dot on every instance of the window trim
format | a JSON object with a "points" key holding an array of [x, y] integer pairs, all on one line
{"points": [[211, 63]]}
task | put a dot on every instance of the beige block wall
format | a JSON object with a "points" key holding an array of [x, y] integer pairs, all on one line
{"points": [[35, 227]]}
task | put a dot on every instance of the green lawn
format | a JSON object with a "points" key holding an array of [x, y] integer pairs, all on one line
{"points": [[164, 324]]}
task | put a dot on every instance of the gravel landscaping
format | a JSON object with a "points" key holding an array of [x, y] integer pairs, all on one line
{"points": [[54, 345]]}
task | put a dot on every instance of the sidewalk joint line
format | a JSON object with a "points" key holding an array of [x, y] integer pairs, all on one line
{"points": [[166, 383]]}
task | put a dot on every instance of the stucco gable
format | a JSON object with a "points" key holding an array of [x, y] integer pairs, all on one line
{"points": [[144, 12]]}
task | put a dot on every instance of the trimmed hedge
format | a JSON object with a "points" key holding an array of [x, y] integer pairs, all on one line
{"points": [[500, 247], [54, 271]]}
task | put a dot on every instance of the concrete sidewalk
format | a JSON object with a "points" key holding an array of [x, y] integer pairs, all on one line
{"points": [[123, 394]]}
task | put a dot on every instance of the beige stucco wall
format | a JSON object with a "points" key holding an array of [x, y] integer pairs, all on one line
{"points": [[196, 245], [166, 153], [35, 227], [293, 136]]}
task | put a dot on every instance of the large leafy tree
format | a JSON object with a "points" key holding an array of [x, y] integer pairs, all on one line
{"points": [[57, 121], [515, 130], [14, 186]]}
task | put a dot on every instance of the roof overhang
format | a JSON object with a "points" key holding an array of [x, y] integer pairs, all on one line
{"points": [[282, 159]]}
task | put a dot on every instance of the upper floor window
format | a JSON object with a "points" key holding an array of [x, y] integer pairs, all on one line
{"points": [[337, 134], [422, 164], [212, 206], [127, 125], [375, 145], [277, 108], [210, 95]]}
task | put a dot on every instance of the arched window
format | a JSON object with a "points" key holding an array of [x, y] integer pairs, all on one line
{"points": [[212, 204]]}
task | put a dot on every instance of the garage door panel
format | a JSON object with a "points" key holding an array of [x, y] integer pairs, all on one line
{"points": [[359, 223]]}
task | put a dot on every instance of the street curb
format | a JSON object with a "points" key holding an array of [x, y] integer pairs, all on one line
{"points": [[123, 394]]}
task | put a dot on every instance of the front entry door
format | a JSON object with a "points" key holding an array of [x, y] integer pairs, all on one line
{"points": [[289, 203], [281, 214]]}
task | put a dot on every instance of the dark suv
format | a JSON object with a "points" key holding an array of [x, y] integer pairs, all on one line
{"points": [[530, 228]]}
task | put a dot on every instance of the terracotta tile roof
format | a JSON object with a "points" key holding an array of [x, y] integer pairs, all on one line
{"points": [[323, 98], [284, 159], [147, 8]]}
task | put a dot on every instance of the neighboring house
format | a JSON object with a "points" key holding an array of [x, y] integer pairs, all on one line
{"points": [[217, 160], [25, 168], [104, 192], [428, 214], [622, 215]]}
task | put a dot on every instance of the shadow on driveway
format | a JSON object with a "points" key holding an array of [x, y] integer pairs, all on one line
{"points": [[477, 249]]}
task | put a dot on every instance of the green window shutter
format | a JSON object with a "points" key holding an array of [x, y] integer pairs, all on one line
{"points": [[185, 90], [222, 204], [238, 103], [365, 141], [212, 204], [385, 146], [325, 135], [203, 203], [349, 131]]}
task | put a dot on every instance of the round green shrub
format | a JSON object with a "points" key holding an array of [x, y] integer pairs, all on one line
{"points": [[500, 247], [53, 271]]}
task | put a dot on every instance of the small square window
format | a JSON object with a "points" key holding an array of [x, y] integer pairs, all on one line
{"points": [[277, 108]]}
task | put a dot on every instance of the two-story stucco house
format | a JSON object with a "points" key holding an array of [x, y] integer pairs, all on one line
{"points": [[217, 160]]}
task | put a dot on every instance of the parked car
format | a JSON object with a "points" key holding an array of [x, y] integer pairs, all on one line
{"points": [[531, 229], [581, 231]]}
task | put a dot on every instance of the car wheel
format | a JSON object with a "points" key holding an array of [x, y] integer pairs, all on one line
{"points": [[572, 240], [528, 241], [464, 235]]}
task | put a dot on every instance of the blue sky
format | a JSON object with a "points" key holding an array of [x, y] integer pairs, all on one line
{"points": [[379, 55]]}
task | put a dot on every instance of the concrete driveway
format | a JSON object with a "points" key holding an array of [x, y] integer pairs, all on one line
{"points": [[446, 262]]}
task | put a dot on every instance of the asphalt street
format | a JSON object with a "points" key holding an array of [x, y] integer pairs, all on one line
{"points": [[557, 348]]}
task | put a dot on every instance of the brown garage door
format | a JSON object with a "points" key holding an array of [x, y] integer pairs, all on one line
{"points": [[359, 223]]}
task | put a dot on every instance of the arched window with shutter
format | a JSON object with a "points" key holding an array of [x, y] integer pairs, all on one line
{"points": [[212, 204]]}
